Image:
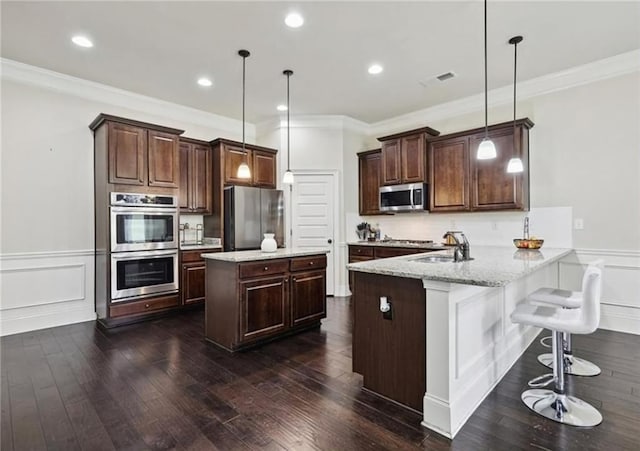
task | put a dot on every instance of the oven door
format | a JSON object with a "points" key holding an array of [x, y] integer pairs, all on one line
{"points": [[143, 273], [141, 228]]}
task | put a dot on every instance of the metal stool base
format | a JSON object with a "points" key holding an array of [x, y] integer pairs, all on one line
{"points": [[573, 365], [562, 408]]}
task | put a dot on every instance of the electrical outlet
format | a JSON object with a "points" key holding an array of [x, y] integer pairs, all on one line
{"points": [[578, 224]]}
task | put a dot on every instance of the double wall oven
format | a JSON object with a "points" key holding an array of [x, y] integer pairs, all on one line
{"points": [[144, 245]]}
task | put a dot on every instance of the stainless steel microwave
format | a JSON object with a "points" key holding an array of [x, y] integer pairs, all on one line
{"points": [[400, 198]]}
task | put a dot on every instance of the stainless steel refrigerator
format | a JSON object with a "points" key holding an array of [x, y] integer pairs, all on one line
{"points": [[249, 213]]}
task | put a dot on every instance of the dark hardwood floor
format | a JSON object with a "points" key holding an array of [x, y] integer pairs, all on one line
{"points": [[159, 385]]}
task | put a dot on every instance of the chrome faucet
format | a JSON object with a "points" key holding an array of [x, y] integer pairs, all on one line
{"points": [[462, 251]]}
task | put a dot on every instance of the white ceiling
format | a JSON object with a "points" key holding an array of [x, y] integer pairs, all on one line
{"points": [[159, 49]]}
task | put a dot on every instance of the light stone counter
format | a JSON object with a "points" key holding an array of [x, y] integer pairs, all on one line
{"points": [[400, 243], [491, 266], [246, 256]]}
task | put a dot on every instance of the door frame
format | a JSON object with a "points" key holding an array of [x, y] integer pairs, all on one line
{"points": [[336, 211]]}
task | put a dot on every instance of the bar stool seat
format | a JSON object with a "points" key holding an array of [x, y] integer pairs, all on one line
{"points": [[556, 404], [573, 365]]}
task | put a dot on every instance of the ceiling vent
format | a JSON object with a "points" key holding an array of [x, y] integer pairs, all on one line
{"points": [[437, 78]]}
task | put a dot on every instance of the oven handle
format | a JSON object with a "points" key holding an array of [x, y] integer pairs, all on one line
{"points": [[143, 254], [144, 210]]}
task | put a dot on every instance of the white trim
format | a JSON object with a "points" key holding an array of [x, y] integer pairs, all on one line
{"points": [[48, 254], [79, 87], [622, 64]]}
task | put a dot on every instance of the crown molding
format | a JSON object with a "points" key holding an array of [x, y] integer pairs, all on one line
{"points": [[79, 87], [336, 122], [614, 66]]}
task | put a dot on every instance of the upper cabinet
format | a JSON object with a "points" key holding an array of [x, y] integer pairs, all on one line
{"points": [[370, 180], [458, 181], [261, 161], [195, 176], [404, 156], [138, 153]]}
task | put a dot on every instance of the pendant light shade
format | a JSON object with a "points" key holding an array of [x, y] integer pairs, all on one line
{"points": [[486, 149], [515, 163], [288, 176], [243, 170]]}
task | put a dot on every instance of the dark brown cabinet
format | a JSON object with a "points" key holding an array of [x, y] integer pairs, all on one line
{"points": [[404, 156], [261, 162], [192, 272], [249, 302], [458, 181], [195, 177], [369, 180], [139, 154]]}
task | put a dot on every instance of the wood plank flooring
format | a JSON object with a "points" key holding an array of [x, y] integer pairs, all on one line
{"points": [[159, 385]]}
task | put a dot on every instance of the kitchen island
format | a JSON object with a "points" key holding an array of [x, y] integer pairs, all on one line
{"points": [[445, 339], [253, 296]]}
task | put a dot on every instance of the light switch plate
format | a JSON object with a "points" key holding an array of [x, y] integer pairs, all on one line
{"points": [[578, 224]]}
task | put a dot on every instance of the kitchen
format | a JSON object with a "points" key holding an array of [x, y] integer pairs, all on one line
{"points": [[585, 139]]}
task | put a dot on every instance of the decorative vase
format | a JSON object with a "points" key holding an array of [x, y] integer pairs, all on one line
{"points": [[268, 243]]}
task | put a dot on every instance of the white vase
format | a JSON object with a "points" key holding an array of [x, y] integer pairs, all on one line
{"points": [[268, 243]]}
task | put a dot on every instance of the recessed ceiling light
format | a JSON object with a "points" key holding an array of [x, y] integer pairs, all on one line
{"points": [[82, 41], [294, 20], [204, 82], [282, 108], [375, 69]]}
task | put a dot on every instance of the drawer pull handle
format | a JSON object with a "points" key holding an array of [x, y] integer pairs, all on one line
{"points": [[266, 268], [146, 306], [311, 263]]}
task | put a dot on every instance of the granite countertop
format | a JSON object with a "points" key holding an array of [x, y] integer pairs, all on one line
{"points": [[206, 243], [418, 244], [246, 256], [493, 266]]}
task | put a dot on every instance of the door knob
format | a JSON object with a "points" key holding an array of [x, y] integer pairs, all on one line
{"points": [[329, 241]]}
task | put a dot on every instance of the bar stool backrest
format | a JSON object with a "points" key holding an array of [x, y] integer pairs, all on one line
{"points": [[591, 292]]}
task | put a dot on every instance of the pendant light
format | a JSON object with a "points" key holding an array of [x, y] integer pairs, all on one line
{"points": [[515, 163], [486, 149], [288, 176], [243, 170]]}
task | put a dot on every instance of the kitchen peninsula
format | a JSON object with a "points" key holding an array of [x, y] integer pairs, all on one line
{"points": [[435, 335], [254, 296]]}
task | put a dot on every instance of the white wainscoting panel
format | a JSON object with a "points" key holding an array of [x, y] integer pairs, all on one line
{"points": [[40, 290], [620, 304]]}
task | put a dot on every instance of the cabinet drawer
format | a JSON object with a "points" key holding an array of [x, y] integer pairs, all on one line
{"points": [[263, 268], [307, 263], [195, 256], [385, 252], [147, 305], [361, 251], [357, 258]]}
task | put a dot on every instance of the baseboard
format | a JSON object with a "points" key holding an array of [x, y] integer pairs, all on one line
{"points": [[46, 289]]}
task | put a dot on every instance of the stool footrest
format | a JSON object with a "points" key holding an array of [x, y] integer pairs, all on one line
{"points": [[546, 342], [541, 381]]}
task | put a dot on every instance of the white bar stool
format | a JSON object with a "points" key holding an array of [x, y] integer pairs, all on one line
{"points": [[556, 404], [566, 299]]}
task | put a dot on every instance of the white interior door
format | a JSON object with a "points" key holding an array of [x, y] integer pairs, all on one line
{"points": [[312, 218]]}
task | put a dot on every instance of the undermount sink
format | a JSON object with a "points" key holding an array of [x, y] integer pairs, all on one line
{"points": [[434, 259]]}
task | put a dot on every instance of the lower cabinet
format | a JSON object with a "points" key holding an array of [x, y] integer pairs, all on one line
{"points": [[250, 302], [192, 276]]}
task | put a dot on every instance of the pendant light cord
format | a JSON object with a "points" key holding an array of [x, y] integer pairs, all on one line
{"points": [[486, 85], [515, 64], [288, 125], [244, 61]]}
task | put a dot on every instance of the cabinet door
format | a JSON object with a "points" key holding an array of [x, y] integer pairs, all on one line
{"points": [[308, 297], [391, 158], [163, 160], [233, 157], [449, 175], [369, 183], [127, 154], [492, 187], [264, 307], [412, 157], [264, 169], [184, 201], [192, 289], [200, 175]]}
